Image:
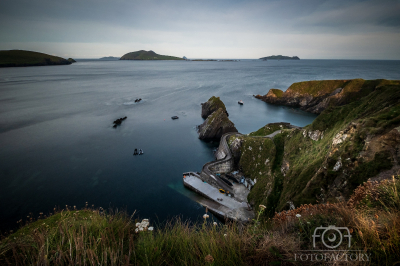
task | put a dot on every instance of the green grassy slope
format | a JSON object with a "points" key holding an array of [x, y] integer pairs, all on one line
{"points": [[19, 58], [362, 136], [147, 55]]}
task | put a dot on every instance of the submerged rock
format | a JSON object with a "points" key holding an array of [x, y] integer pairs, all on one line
{"points": [[216, 125]]}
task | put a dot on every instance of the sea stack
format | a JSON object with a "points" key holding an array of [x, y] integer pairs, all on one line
{"points": [[212, 105], [217, 122]]}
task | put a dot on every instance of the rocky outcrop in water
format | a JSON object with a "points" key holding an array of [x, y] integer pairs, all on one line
{"points": [[118, 121], [212, 105], [216, 125]]}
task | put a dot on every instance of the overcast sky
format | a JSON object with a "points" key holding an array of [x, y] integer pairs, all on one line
{"points": [[310, 29]]}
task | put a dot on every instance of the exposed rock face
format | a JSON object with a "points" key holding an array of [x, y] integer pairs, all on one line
{"points": [[212, 105], [314, 135], [216, 125], [315, 96]]}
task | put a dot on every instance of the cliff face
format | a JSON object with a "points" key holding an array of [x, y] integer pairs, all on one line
{"points": [[212, 105], [346, 145], [316, 96], [216, 125]]}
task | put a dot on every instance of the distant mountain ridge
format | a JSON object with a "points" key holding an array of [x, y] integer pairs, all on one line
{"points": [[280, 57], [21, 58], [147, 55]]}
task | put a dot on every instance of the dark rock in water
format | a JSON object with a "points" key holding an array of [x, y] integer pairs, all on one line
{"points": [[174, 117], [216, 125], [118, 121], [212, 105]]}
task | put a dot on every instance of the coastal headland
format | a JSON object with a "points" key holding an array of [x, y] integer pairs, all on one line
{"points": [[21, 58]]}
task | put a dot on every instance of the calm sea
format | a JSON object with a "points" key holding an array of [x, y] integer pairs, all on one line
{"points": [[58, 146]]}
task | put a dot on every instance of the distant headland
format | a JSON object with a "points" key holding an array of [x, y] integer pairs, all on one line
{"points": [[147, 55], [21, 58], [280, 57]]}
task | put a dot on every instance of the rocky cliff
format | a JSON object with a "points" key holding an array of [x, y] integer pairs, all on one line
{"points": [[355, 139], [315, 96]]}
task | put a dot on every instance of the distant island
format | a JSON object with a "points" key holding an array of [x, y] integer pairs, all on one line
{"points": [[147, 55], [21, 58], [280, 57], [109, 58]]}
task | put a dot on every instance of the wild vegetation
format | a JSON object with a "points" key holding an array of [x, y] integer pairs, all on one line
{"points": [[96, 237], [20, 58]]}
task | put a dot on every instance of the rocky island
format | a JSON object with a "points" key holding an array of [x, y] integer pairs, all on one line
{"points": [[109, 58], [280, 57], [147, 55], [21, 58]]}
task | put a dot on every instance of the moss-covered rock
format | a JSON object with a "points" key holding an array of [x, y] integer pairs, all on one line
{"points": [[216, 125], [212, 105]]}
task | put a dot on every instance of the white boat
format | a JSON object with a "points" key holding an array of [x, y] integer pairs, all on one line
{"points": [[240, 102]]}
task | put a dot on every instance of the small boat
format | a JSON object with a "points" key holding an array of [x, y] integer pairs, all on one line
{"points": [[140, 152], [135, 152], [240, 102], [174, 117], [222, 191]]}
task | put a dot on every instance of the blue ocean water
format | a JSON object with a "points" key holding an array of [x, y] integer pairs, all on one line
{"points": [[58, 146]]}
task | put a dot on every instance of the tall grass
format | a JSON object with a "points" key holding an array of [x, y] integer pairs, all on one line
{"points": [[96, 237]]}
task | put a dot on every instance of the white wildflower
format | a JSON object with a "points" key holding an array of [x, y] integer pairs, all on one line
{"points": [[136, 230], [225, 235], [151, 228], [214, 223], [298, 215], [205, 216]]}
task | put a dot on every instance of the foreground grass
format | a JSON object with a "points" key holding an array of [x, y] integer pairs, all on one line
{"points": [[95, 237]]}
